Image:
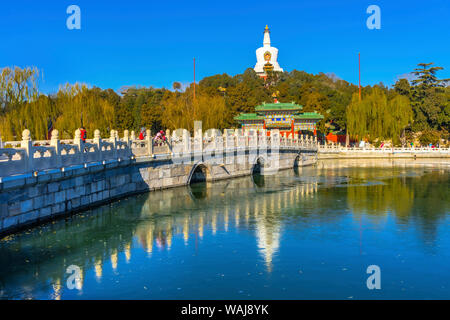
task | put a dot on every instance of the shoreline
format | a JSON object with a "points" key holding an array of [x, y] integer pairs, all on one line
{"points": [[372, 155]]}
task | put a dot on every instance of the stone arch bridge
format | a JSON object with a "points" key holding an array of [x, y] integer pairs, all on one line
{"points": [[42, 180]]}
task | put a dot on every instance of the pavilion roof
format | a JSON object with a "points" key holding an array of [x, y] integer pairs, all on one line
{"points": [[290, 106], [309, 115], [249, 116]]}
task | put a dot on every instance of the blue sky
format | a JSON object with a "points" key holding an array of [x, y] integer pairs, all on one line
{"points": [[152, 43]]}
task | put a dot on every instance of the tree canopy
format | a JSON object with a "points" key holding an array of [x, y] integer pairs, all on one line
{"points": [[421, 106]]}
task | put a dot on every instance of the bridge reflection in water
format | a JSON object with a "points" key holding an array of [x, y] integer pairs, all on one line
{"points": [[33, 263]]}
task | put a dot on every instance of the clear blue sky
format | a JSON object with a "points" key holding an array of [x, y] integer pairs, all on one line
{"points": [[153, 42]]}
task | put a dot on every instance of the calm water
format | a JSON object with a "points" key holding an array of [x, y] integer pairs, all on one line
{"points": [[305, 234]]}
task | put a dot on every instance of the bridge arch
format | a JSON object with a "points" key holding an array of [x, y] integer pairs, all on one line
{"points": [[297, 161], [200, 172], [259, 164]]}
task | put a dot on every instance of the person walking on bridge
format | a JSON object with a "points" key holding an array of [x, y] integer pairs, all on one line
{"points": [[142, 134], [83, 134]]}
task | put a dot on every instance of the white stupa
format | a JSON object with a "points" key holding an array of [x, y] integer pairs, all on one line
{"points": [[266, 56]]}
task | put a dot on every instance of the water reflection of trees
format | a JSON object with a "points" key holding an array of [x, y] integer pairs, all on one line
{"points": [[380, 192], [406, 197]]}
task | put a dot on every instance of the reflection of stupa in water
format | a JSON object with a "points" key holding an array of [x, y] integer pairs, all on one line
{"points": [[268, 231], [268, 236]]}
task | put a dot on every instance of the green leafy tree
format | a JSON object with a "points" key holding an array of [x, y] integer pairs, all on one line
{"points": [[176, 86]]}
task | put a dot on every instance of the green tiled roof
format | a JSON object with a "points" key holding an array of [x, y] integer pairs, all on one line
{"points": [[248, 116], [308, 115], [254, 116], [278, 106]]}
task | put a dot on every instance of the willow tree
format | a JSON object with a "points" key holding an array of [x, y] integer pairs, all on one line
{"points": [[180, 111], [375, 117], [17, 86], [400, 116], [40, 116], [78, 106], [356, 118]]}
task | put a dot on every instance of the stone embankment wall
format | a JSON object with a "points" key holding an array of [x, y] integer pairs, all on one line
{"points": [[337, 152]]}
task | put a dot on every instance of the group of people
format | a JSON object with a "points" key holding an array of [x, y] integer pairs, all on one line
{"points": [[411, 144], [159, 139]]}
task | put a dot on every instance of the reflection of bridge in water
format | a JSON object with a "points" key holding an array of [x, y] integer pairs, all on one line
{"points": [[150, 221], [236, 206]]}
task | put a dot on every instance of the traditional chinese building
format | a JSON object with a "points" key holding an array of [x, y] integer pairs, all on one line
{"points": [[286, 117]]}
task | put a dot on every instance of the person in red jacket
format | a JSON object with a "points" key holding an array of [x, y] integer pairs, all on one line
{"points": [[83, 134], [142, 134]]}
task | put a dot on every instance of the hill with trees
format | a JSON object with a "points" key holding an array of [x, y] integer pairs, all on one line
{"points": [[417, 109]]}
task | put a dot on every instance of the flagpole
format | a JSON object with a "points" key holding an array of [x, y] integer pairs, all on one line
{"points": [[194, 78], [359, 84]]}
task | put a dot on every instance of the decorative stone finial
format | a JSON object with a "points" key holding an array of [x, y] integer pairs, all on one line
{"points": [[97, 134], [77, 134], [126, 134], [113, 134], [26, 135], [55, 134]]}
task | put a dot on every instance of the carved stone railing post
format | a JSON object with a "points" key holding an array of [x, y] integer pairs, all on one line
{"points": [[264, 133], [246, 137], [98, 143], [126, 136], [149, 140], [214, 139], [236, 138], [225, 139], [27, 144], [262, 149], [133, 135], [80, 145], [54, 142], [113, 140], [198, 138], [126, 139], [169, 140], [186, 142]]}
